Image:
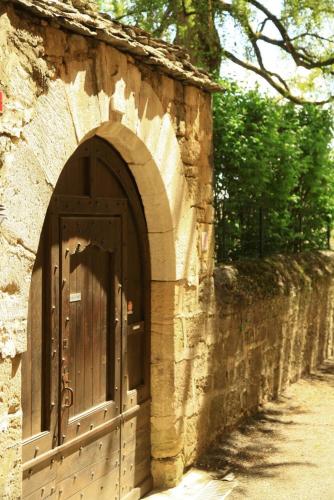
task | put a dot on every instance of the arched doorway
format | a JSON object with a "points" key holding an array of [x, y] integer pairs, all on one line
{"points": [[86, 388]]}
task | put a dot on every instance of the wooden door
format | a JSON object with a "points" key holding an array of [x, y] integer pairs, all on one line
{"points": [[86, 406]]}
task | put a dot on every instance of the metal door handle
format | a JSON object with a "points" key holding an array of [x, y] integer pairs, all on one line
{"points": [[71, 399]]}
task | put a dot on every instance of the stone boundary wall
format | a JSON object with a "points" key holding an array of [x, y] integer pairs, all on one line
{"points": [[274, 324]]}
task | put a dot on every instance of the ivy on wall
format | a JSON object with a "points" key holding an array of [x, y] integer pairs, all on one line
{"points": [[274, 175]]}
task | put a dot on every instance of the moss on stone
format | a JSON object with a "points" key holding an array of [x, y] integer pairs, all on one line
{"points": [[250, 279]]}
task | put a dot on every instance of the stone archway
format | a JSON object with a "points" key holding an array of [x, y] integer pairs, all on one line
{"points": [[163, 191], [125, 111]]}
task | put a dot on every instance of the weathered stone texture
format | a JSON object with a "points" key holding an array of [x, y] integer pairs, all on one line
{"points": [[10, 428], [274, 324]]}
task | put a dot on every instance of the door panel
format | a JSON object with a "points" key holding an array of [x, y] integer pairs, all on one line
{"points": [[86, 394], [91, 275]]}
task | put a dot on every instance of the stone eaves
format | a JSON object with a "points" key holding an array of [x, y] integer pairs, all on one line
{"points": [[167, 58]]}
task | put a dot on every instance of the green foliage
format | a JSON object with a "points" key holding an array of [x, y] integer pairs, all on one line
{"points": [[274, 175]]}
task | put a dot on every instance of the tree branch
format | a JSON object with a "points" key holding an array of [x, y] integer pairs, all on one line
{"points": [[286, 44], [312, 35], [281, 89]]}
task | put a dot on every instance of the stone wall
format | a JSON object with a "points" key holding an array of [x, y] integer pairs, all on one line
{"points": [[274, 324]]}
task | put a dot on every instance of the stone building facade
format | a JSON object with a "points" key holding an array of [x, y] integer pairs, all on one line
{"points": [[67, 76], [78, 87]]}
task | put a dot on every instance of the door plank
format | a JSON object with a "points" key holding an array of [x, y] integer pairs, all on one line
{"points": [[88, 451], [77, 336], [105, 488], [84, 477], [35, 478], [87, 328], [98, 264]]}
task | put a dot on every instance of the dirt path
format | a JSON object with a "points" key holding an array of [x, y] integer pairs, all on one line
{"points": [[285, 453]]}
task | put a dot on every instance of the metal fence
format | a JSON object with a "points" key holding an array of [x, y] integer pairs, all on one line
{"points": [[257, 231]]}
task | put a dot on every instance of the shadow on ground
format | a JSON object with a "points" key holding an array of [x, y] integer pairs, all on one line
{"points": [[287, 439], [324, 374], [251, 449]]}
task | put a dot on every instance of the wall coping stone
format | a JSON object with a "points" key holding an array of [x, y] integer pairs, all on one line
{"points": [[248, 280]]}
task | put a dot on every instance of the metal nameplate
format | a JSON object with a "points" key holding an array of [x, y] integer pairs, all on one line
{"points": [[75, 297]]}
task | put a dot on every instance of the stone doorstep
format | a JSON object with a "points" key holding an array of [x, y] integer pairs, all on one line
{"points": [[197, 485]]}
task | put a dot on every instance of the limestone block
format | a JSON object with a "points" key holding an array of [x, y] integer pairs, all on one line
{"points": [[13, 324], [190, 151], [156, 131], [167, 472], [166, 436], [163, 344], [154, 196], [191, 96], [162, 388], [10, 474], [148, 178], [165, 301], [157, 212], [81, 94], [26, 206], [10, 429], [184, 384], [167, 93], [193, 326], [194, 436], [133, 85], [206, 127], [150, 117], [207, 295], [51, 134], [218, 412], [186, 245], [108, 68], [55, 42], [118, 101], [19, 94], [77, 47], [162, 250]]}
